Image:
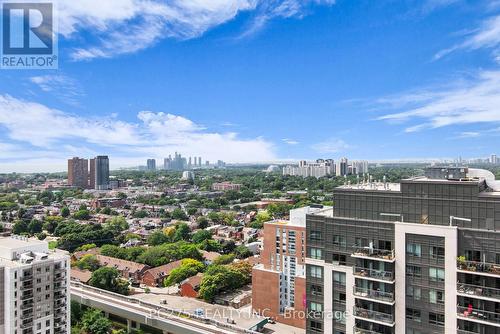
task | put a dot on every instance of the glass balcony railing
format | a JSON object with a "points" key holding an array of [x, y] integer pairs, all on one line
{"points": [[374, 315], [358, 330], [374, 294], [479, 291], [373, 273], [477, 314], [380, 254], [479, 267]]}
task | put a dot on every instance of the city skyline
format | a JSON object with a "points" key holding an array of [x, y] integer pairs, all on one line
{"points": [[381, 80]]}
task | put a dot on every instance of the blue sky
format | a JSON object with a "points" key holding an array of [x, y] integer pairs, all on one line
{"points": [[257, 80]]}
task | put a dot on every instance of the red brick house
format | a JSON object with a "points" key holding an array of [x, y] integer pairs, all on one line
{"points": [[156, 276], [190, 286], [128, 269]]}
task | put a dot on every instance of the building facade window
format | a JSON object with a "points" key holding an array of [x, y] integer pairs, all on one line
{"points": [[436, 274], [413, 314], [436, 319], [316, 253], [316, 271], [413, 249], [413, 271]]}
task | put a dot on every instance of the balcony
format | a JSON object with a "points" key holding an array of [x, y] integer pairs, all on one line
{"points": [[375, 274], [358, 330], [27, 295], [377, 295], [26, 306], [27, 315], [28, 286], [27, 324], [463, 331], [375, 316], [480, 268], [60, 278], [480, 316], [26, 278], [374, 254], [482, 292]]}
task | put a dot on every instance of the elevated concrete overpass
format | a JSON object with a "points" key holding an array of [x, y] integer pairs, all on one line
{"points": [[170, 321]]}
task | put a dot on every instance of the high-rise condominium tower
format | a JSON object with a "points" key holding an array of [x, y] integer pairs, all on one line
{"points": [[78, 170], [421, 256], [34, 283], [102, 172]]}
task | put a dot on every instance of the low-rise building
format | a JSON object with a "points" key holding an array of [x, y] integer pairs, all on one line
{"points": [[156, 276]]}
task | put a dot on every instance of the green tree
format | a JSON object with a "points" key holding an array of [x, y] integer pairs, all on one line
{"points": [[108, 279], [65, 212], [94, 322], [202, 222], [117, 224], [157, 238], [201, 235], [51, 222], [242, 252], [82, 215], [20, 227], [188, 268], [182, 232], [35, 226], [224, 259], [88, 262], [178, 214]]}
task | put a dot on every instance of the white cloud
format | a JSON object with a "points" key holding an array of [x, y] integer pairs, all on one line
{"points": [[155, 134], [331, 146], [474, 101], [290, 141], [127, 26], [487, 35], [64, 88]]}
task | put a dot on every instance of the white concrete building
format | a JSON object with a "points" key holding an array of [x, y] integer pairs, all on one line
{"points": [[34, 288]]}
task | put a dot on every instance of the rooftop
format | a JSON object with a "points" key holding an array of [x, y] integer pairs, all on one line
{"points": [[373, 186], [18, 251]]}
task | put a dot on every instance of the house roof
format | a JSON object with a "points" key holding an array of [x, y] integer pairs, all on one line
{"points": [[164, 270], [194, 281], [209, 256], [80, 254], [80, 275], [121, 265]]}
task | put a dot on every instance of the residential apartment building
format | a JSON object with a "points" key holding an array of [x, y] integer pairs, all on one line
{"points": [[78, 171], [279, 281], [317, 169], [34, 288], [101, 172], [225, 186], [419, 257], [151, 164]]}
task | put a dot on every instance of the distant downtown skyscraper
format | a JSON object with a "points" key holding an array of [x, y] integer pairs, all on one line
{"points": [[78, 172], [151, 164]]}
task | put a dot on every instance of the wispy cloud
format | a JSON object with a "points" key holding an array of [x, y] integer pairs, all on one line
{"points": [[270, 9], [156, 134], [64, 88], [127, 26], [487, 35], [474, 101], [290, 141], [432, 5], [331, 146]]}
